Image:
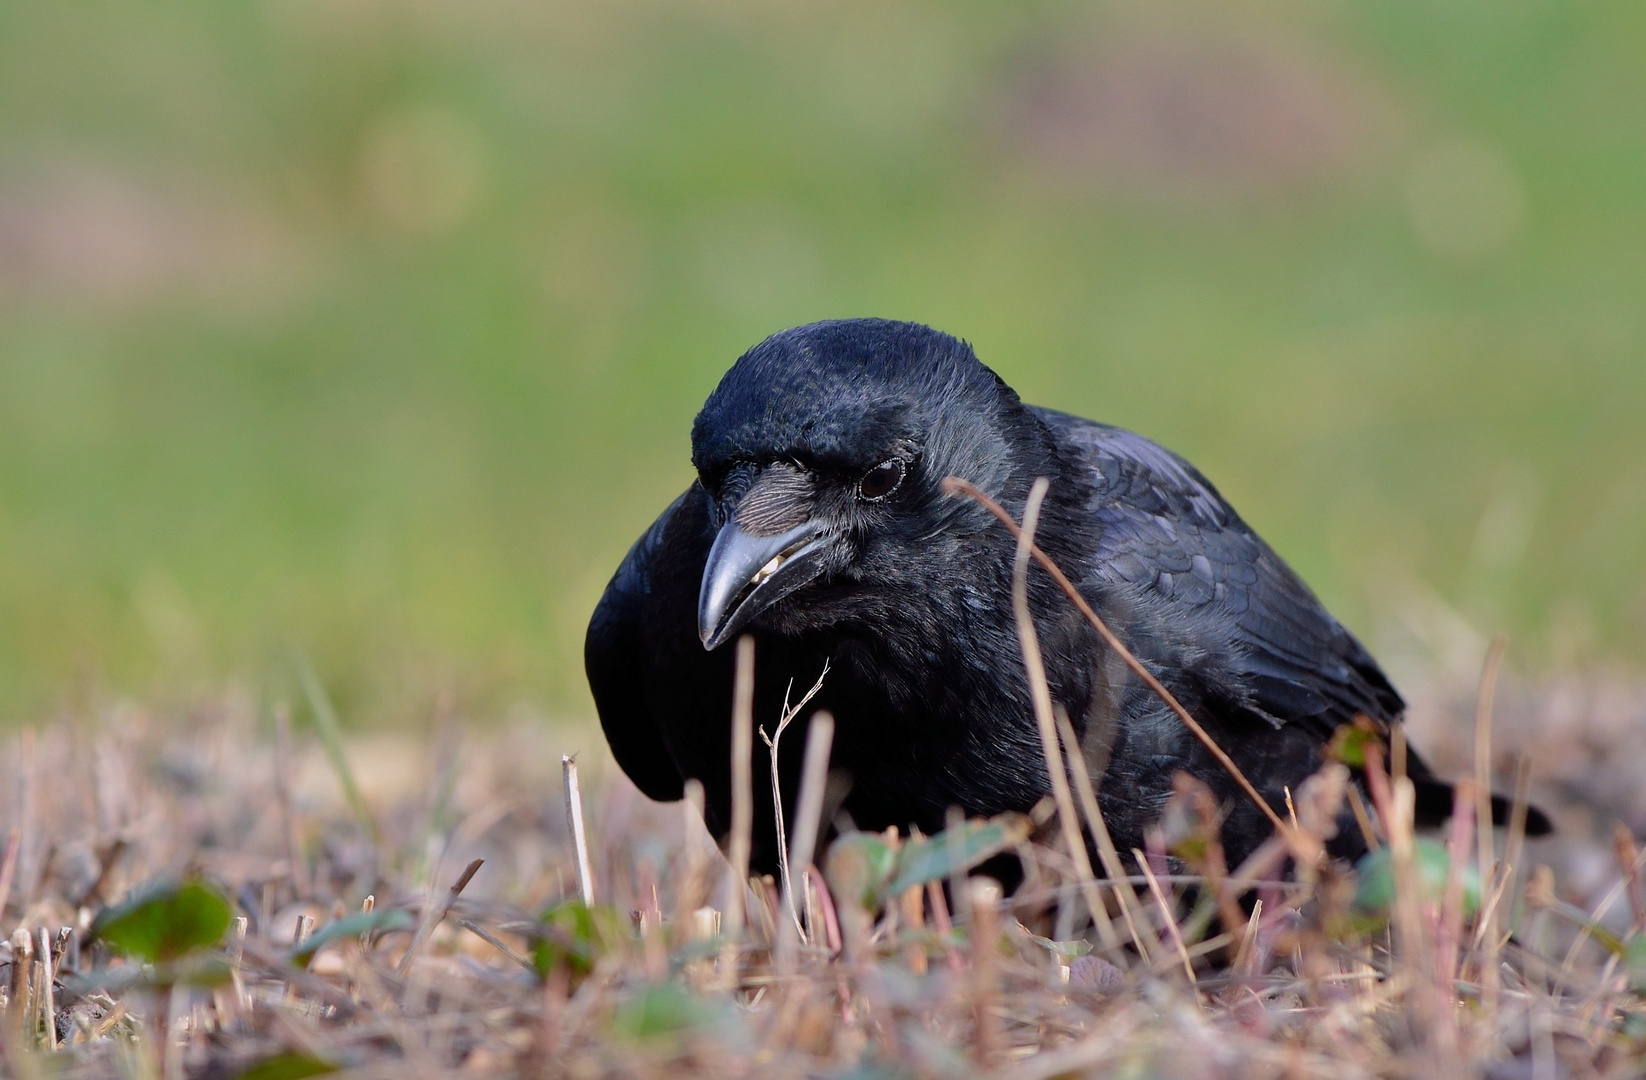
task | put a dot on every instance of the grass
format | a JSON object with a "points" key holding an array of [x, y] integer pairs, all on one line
{"points": [[373, 333], [504, 977], [376, 330], [618, 944]]}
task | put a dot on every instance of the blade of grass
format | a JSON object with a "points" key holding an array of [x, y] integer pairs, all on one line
{"points": [[331, 738]]}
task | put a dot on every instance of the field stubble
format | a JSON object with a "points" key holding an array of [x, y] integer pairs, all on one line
{"points": [[284, 913], [479, 981]]}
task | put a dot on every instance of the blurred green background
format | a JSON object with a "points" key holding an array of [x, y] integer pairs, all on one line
{"points": [[373, 330]]}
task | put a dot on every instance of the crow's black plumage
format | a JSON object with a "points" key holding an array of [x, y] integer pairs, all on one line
{"points": [[818, 524]]}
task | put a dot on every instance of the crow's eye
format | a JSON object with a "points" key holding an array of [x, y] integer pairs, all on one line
{"points": [[880, 481]]}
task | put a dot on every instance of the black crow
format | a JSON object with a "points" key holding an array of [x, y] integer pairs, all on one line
{"points": [[818, 523]]}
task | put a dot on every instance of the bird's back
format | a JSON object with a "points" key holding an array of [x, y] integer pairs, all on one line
{"points": [[1195, 574]]}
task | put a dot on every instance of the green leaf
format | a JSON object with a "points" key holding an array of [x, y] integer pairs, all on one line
{"points": [[1349, 743], [936, 858], [1375, 887], [858, 866], [166, 921], [365, 922], [575, 935], [658, 1012], [288, 1066]]}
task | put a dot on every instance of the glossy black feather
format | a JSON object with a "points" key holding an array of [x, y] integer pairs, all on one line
{"points": [[913, 614]]}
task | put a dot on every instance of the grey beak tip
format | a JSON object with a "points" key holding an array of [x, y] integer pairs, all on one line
{"points": [[734, 589]]}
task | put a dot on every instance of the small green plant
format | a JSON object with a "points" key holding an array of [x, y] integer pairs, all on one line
{"points": [[865, 869], [166, 921], [288, 1066], [1431, 865], [365, 922], [574, 935]]}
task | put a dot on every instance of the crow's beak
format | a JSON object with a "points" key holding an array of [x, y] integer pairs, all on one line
{"points": [[747, 574]]}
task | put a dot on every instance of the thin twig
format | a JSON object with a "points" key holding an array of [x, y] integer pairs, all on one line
{"points": [[105, 866], [1450, 927], [497, 943], [784, 719], [431, 919], [814, 777]]}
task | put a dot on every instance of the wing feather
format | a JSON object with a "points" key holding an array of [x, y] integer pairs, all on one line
{"points": [[1168, 534], [618, 661]]}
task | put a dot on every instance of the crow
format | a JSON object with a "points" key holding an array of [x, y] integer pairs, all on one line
{"points": [[820, 525]]}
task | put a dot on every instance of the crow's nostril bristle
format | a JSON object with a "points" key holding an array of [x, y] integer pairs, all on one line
{"points": [[781, 498]]}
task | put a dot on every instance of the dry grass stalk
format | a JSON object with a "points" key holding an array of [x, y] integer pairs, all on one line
{"points": [[574, 821], [735, 922], [1303, 999], [1363, 820], [1106, 850], [985, 907], [8, 867], [20, 998], [1450, 925], [1044, 716], [1628, 863], [237, 948], [44, 969], [1168, 920], [912, 906]]}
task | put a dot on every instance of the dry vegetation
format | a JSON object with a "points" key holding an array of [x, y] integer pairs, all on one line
{"points": [[1307, 987], [286, 907]]}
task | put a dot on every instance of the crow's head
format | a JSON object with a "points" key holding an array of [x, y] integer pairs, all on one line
{"points": [[824, 449]]}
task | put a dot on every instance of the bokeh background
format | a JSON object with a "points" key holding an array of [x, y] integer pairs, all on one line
{"points": [[370, 331]]}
